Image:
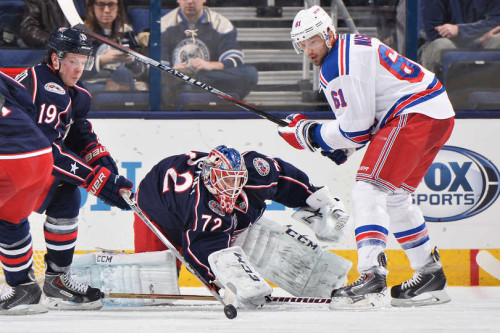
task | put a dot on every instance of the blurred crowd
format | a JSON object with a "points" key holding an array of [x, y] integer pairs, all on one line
{"points": [[202, 43]]}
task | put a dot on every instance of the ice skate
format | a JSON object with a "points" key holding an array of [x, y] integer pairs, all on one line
{"points": [[23, 299], [64, 293], [369, 291], [426, 287]]}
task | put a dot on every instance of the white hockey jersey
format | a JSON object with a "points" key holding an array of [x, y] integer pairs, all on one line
{"points": [[367, 84]]}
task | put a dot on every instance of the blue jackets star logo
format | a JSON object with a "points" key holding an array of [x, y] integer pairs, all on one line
{"points": [[74, 167]]}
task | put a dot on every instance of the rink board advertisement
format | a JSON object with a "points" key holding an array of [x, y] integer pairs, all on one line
{"points": [[458, 195]]}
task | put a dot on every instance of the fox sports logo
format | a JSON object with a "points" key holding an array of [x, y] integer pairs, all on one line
{"points": [[459, 184]]}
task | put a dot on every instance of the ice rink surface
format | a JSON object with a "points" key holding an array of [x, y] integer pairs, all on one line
{"points": [[472, 309]]}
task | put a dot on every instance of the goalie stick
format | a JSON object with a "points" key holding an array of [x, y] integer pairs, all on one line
{"points": [[308, 300], [269, 299], [160, 296], [229, 309], [75, 21], [489, 263]]}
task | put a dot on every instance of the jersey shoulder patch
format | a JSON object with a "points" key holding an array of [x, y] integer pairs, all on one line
{"points": [[261, 166], [54, 88]]}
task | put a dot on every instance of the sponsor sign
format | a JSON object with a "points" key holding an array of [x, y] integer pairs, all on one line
{"points": [[459, 184]]}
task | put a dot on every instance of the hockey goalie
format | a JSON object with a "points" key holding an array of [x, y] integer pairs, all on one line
{"points": [[210, 207]]}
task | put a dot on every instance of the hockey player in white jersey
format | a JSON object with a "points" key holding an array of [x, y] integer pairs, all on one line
{"points": [[402, 111]]}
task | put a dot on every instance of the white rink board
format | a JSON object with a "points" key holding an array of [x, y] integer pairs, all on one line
{"points": [[138, 144]]}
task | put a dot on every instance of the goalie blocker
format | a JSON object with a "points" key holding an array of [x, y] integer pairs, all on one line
{"points": [[239, 278]]}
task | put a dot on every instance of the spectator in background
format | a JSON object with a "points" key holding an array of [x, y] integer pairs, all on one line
{"points": [[202, 43], [113, 70], [452, 24], [41, 17]]}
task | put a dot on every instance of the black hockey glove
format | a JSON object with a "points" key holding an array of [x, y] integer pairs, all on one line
{"points": [[339, 156], [106, 186], [96, 154]]}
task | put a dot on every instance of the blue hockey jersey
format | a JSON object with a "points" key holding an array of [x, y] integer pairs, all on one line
{"points": [[61, 114], [173, 195], [19, 134]]}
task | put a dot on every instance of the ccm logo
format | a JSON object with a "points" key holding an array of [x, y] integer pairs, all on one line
{"points": [[301, 238], [245, 267], [97, 183], [104, 259]]}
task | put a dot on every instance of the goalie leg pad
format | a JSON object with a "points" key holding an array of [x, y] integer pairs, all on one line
{"points": [[142, 273], [234, 271], [292, 261]]}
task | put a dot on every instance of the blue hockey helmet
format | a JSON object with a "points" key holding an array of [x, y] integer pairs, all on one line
{"points": [[70, 40], [224, 174]]}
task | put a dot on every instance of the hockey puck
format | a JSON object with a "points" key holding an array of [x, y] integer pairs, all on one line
{"points": [[230, 311]]}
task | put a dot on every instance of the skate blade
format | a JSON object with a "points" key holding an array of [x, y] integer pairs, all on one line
{"points": [[366, 302], [25, 309], [54, 303], [428, 298]]}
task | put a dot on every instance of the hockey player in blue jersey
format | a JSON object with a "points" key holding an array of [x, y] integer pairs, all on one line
{"points": [[25, 167], [62, 103], [202, 201]]}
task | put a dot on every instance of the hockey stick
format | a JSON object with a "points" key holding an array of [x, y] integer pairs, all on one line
{"points": [[309, 300], [229, 309], [270, 299], [161, 296], [489, 263], [75, 21]]}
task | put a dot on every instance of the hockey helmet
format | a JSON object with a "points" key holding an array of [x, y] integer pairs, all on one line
{"points": [[70, 40], [308, 23], [224, 174]]}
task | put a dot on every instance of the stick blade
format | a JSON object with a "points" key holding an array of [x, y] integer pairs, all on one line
{"points": [[69, 10], [489, 263]]}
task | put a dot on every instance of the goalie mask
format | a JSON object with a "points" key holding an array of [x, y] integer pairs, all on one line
{"points": [[224, 174], [308, 23], [70, 40]]}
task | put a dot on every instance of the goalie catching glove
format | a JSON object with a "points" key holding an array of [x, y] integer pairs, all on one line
{"points": [[96, 154], [106, 186], [325, 216]]}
